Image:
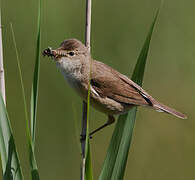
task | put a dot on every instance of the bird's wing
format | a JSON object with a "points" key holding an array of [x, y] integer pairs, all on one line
{"points": [[107, 82]]}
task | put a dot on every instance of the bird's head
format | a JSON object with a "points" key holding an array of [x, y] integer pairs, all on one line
{"points": [[71, 54]]}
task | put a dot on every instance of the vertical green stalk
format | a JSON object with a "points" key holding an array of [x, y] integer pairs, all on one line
{"points": [[88, 163], [2, 76], [86, 168], [2, 90]]}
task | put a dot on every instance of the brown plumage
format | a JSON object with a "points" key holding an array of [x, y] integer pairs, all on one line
{"points": [[111, 92], [72, 44], [120, 88]]}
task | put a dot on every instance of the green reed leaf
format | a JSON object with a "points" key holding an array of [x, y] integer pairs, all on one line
{"points": [[9, 157], [34, 98], [88, 164], [35, 85], [117, 154], [31, 148]]}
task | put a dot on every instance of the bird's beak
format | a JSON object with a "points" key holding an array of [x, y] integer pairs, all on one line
{"points": [[51, 53]]}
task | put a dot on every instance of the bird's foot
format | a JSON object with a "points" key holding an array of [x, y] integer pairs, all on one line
{"points": [[83, 137]]}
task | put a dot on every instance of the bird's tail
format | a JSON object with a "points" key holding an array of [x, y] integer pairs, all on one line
{"points": [[161, 107]]}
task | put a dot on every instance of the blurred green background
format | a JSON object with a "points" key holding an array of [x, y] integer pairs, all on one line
{"points": [[163, 146]]}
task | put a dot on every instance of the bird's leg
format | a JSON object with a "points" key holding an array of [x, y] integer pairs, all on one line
{"points": [[109, 122]]}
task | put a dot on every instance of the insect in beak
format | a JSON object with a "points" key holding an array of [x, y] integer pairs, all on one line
{"points": [[51, 53], [48, 52]]}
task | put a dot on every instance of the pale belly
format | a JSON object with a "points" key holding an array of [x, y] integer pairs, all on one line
{"points": [[105, 105]]}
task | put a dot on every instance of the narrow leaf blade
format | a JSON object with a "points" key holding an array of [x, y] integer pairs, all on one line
{"points": [[9, 156], [34, 99], [31, 148], [117, 154], [88, 165], [138, 73], [2, 143], [113, 148], [35, 85], [2, 76]]}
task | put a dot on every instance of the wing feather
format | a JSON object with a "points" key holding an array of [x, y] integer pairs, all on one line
{"points": [[107, 82]]}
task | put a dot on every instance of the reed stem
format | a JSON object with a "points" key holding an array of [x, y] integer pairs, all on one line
{"points": [[2, 76], [84, 116]]}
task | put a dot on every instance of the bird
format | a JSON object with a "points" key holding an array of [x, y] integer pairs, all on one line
{"points": [[111, 92]]}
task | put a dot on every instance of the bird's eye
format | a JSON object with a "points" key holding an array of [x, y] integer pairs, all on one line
{"points": [[71, 53]]}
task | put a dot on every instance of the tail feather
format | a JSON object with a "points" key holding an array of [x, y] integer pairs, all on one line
{"points": [[164, 108]]}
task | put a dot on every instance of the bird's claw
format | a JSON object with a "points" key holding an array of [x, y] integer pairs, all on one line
{"points": [[83, 137]]}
